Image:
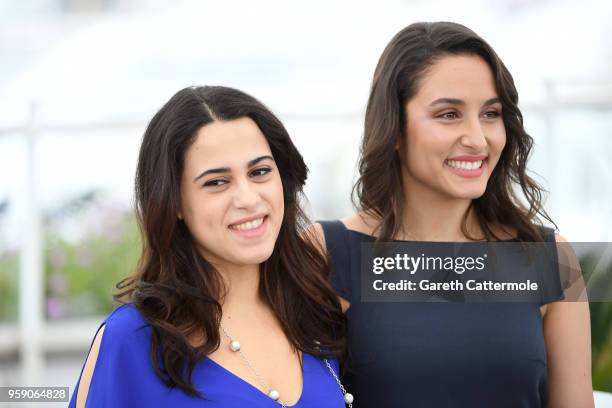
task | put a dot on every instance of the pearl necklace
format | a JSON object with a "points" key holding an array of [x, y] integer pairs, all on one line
{"points": [[234, 346]]}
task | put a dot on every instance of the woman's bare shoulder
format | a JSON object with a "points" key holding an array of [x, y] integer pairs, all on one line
{"points": [[504, 232], [362, 222], [356, 222]]}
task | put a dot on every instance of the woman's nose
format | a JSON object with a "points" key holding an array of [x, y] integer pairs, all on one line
{"points": [[474, 135], [245, 194]]}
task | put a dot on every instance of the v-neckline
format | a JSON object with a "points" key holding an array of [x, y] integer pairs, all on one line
{"points": [[305, 357]]}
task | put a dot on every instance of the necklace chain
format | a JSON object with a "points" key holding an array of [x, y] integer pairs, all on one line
{"points": [[252, 369], [266, 386]]}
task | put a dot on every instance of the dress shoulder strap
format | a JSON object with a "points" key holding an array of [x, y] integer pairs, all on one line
{"points": [[547, 233], [552, 290], [337, 242]]}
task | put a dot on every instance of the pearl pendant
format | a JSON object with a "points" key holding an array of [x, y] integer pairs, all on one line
{"points": [[234, 345], [348, 398], [274, 395]]}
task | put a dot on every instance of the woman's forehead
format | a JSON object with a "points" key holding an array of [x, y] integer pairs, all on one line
{"points": [[227, 143], [462, 77]]}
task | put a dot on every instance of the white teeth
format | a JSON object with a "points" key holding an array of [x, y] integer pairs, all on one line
{"points": [[464, 165], [248, 225]]}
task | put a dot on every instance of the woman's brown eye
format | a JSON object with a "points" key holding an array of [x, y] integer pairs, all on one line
{"points": [[261, 171], [492, 114], [215, 183], [449, 115]]}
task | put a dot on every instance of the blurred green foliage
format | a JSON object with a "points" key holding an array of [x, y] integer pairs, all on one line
{"points": [[81, 278], [601, 341], [9, 267], [600, 276], [80, 274]]}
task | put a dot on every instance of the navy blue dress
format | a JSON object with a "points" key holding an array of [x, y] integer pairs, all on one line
{"points": [[124, 376], [437, 354]]}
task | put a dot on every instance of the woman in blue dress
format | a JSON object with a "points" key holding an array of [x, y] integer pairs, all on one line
{"points": [[230, 305], [443, 159]]}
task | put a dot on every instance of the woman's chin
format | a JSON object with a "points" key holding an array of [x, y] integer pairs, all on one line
{"points": [[254, 257], [472, 193]]}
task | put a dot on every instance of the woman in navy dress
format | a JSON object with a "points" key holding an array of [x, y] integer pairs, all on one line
{"points": [[230, 305], [442, 159]]}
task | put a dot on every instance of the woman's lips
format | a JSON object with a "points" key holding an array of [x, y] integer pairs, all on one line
{"points": [[471, 167], [253, 228]]}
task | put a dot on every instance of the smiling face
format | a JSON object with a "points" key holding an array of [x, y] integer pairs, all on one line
{"points": [[231, 194], [454, 133]]}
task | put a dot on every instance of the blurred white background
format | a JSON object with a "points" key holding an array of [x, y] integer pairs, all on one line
{"points": [[79, 80]]}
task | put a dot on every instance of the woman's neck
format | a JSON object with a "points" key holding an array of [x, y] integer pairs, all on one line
{"points": [[430, 216], [241, 289], [241, 301]]}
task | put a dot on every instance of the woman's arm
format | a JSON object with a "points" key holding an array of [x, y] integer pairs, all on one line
{"points": [[88, 370], [567, 333]]}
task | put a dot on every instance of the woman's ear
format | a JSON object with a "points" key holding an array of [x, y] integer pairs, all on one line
{"points": [[399, 145], [179, 207]]}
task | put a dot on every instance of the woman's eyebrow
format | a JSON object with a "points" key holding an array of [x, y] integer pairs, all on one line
{"points": [[213, 171], [258, 159], [451, 101], [460, 102], [491, 101], [218, 170]]}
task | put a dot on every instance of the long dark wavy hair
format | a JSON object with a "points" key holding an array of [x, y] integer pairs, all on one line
{"points": [[378, 190], [174, 287]]}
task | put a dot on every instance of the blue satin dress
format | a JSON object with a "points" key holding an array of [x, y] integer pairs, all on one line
{"points": [[124, 376]]}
